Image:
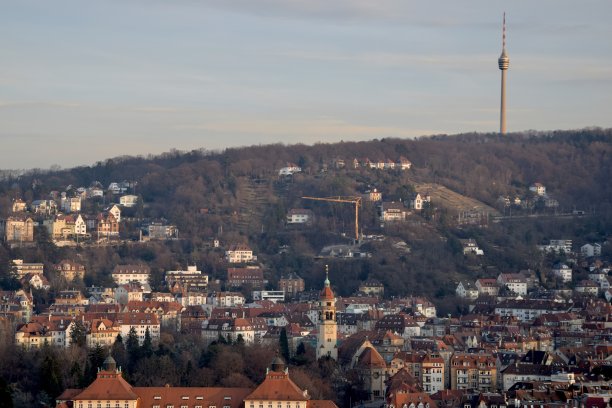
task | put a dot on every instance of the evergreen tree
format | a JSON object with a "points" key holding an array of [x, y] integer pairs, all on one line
{"points": [[118, 352], [51, 376], [284, 344], [147, 345], [6, 398], [133, 348], [78, 334], [95, 360]]}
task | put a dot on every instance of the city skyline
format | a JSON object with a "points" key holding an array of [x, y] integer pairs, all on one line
{"points": [[81, 84]]}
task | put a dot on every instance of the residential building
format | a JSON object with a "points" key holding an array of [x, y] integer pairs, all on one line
{"points": [[373, 195], [19, 228], [590, 250], [70, 270], [557, 245], [538, 188], [274, 296], [101, 332], [19, 205], [36, 281], [226, 299], [191, 280], [71, 204], [123, 274], [289, 170], [418, 201], [61, 226], [291, 284], [563, 272], [372, 288], [22, 269], [32, 335], [527, 310], [466, 290], [487, 286], [239, 253], [300, 216], [514, 282], [80, 226], [140, 322], [470, 246], [108, 225], [128, 200], [44, 207], [473, 371], [116, 211], [251, 276], [391, 211], [231, 329], [162, 231]]}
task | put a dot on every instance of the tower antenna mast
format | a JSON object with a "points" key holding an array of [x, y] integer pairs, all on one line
{"points": [[503, 63]]}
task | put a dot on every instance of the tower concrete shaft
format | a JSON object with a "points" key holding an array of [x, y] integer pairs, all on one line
{"points": [[503, 63]]}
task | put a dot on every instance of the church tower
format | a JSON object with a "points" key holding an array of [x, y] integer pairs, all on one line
{"points": [[327, 338]]}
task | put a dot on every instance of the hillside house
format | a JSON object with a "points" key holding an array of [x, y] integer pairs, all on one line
{"points": [[391, 211], [418, 201], [19, 228], [251, 276], [239, 253], [123, 274], [300, 216], [538, 188]]}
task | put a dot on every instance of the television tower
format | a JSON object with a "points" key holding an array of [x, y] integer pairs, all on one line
{"points": [[504, 62]]}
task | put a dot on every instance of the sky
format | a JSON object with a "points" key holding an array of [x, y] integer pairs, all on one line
{"points": [[83, 81]]}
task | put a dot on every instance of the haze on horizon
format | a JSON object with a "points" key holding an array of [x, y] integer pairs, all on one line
{"points": [[82, 82]]}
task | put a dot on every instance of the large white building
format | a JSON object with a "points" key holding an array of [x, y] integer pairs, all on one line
{"points": [[123, 274]]}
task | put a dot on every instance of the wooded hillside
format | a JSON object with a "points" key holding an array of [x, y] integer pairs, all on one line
{"points": [[238, 196]]}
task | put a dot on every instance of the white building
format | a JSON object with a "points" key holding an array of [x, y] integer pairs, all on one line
{"points": [[471, 247], [557, 245], [71, 204], [289, 170], [140, 321], [226, 299], [418, 201], [271, 295], [128, 200], [299, 216], [80, 226], [123, 274], [514, 282], [466, 290], [590, 250], [563, 272], [538, 188], [239, 253]]}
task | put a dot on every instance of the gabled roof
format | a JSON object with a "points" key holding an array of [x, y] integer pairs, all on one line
{"points": [[108, 386], [278, 386], [370, 358]]}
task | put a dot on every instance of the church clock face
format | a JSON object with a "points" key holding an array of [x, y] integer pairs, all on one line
{"points": [[329, 330]]}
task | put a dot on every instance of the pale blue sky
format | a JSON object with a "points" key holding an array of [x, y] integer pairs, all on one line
{"points": [[82, 81]]}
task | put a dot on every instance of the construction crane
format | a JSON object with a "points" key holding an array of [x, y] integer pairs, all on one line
{"points": [[343, 199]]}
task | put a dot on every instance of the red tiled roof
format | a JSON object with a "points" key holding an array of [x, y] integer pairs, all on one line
{"points": [[108, 386], [277, 386]]}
